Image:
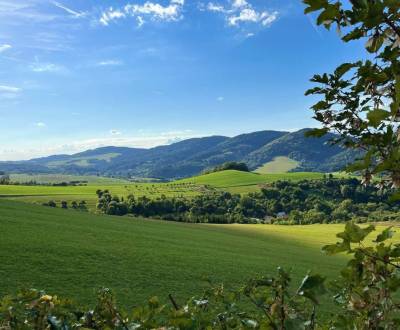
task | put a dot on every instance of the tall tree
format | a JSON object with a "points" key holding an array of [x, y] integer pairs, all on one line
{"points": [[361, 100]]}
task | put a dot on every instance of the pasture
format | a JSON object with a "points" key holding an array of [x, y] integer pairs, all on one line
{"points": [[278, 165], [232, 181], [73, 254], [58, 178]]}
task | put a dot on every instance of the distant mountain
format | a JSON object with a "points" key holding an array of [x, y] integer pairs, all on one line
{"points": [[192, 156], [313, 154]]}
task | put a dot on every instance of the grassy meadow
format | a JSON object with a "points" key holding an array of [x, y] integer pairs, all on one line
{"points": [[73, 254], [57, 178], [278, 165], [232, 181]]}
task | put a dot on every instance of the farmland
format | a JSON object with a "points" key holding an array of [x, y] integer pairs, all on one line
{"points": [[74, 253], [278, 165], [232, 181]]}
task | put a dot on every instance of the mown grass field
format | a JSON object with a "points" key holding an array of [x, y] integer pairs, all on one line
{"points": [[232, 181], [73, 254], [243, 182], [57, 178], [278, 165]]}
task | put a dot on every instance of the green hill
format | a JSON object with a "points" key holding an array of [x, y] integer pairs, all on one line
{"points": [[73, 254], [231, 178]]}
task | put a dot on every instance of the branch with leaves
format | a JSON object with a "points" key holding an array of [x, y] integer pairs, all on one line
{"points": [[361, 100]]}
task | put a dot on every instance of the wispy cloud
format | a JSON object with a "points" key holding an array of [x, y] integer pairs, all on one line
{"points": [[47, 67], [13, 11], [70, 11], [8, 92], [143, 12], [115, 132], [40, 124], [9, 89], [4, 48], [109, 63], [144, 139]]}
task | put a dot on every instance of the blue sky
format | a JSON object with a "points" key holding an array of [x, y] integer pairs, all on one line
{"points": [[78, 74]]}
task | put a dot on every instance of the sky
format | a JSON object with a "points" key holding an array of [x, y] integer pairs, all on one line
{"points": [[79, 74]]}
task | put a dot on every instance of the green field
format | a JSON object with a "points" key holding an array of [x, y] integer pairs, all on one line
{"points": [[242, 182], [278, 165], [232, 181], [58, 178], [75, 253]]}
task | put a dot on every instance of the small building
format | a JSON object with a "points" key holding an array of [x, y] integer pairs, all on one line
{"points": [[282, 215]]}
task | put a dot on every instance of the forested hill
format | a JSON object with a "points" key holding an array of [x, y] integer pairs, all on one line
{"points": [[192, 156]]}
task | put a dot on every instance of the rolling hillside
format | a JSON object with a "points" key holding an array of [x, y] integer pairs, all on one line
{"points": [[73, 254], [190, 157]]}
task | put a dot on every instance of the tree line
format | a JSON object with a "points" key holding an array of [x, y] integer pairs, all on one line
{"points": [[285, 202]]}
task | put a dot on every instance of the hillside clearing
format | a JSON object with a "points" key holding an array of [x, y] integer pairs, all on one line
{"points": [[278, 165]]}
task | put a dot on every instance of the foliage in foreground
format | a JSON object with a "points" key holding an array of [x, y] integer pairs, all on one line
{"points": [[361, 100], [365, 294]]}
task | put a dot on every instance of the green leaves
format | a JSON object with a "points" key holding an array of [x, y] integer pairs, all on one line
{"points": [[336, 248], [343, 69], [312, 287], [357, 106], [317, 132], [355, 34], [376, 117], [385, 235], [352, 234], [314, 5], [374, 43]]}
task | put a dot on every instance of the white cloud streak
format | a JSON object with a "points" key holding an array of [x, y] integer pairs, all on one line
{"points": [[109, 63], [4, 48], [70, 11], [9, 89]]}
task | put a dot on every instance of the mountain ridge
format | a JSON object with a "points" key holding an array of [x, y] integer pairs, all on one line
{"points": [[192, 156]]}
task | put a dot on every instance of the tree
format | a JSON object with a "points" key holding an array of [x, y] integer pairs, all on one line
{"points": [[64, 204], [4, 178], [361, 100]]}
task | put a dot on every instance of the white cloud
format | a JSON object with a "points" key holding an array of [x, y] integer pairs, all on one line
{"points": [[147, 11], [9, 92], [40, 124], [46, 67], [72, 12], [4, 47], [213, 7], [115, 132], [109, 63], [111, 15], [242, 12], [239, 3]]}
